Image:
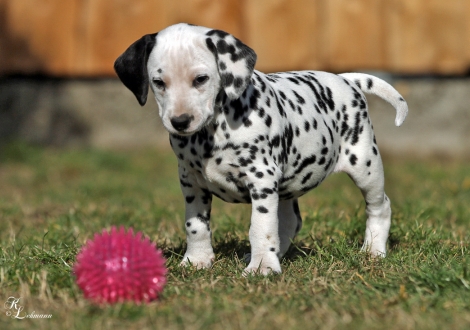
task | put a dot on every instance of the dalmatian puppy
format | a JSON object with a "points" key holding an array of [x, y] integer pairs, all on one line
{"points": [[265, 139]]}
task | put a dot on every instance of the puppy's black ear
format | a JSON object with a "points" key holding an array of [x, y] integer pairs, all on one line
{"points": [[235, 61], [131, 66]]}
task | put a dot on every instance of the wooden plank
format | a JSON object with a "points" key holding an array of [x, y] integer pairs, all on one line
{"points": [[3, 35], [112, 25], [466, 40], [221, 14], [426, 36], [353, 35], [283, 33], [109, 27], [39, 38]]}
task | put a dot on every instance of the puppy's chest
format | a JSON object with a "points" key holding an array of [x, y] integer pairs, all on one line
{"points": [[219, 166]]}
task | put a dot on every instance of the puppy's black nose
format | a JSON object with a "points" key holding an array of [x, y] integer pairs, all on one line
{"points": [[182, 122]]}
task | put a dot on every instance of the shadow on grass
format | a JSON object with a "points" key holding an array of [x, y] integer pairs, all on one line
{"points": [[231, 246], [300, 249], [393, 242], [173, 251]]}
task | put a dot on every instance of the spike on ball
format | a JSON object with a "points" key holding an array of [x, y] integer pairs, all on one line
{"points": [[117, 266]]}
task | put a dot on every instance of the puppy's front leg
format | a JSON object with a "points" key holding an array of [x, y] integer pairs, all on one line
{"points": [[264, 231], [198, 200]]}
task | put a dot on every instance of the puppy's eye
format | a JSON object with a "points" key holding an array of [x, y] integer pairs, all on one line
{"points": [[200, 80], [160, 84]]}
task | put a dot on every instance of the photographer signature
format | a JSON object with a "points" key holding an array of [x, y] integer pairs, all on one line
{"points": [[16, 311]]}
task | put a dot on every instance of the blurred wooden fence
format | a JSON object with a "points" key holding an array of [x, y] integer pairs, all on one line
{"points": [[83, 37]]}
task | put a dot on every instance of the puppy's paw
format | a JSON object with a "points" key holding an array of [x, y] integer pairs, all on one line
{"points": [[263, 266], [260, 271], [197, 261], [375, 250]]}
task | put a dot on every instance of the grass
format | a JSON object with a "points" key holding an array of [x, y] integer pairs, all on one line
{"points": [[52, 201]]}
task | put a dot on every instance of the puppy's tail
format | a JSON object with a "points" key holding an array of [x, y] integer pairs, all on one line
{"points": [[373, 85]]}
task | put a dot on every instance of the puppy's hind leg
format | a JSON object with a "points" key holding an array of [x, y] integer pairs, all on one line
{"points": [[366, 170], [290, 223]]}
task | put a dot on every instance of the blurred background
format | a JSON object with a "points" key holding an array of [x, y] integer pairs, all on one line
{"points": [[58, 87]]}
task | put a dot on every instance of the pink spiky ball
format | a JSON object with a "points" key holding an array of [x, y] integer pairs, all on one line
{"points": [[117, 266]]}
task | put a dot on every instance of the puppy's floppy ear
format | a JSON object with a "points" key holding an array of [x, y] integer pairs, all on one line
{"points": [[235, 61], [131, 66]]}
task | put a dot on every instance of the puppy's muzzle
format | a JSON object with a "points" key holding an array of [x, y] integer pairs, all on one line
{"points": [[182, 122]]}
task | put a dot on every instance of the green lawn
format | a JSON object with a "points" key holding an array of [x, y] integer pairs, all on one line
{"points": [[52, 201]]}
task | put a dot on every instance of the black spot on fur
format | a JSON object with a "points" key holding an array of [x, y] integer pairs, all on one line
{"points": [[329, 164], [307, 177], [353, 159], [238, 82], [268, 121], [267, 190], [185, 184], [307, 126], [306, 162], [218, 33], [227, 79], [262, 209], [295, 81], [300, 99], [268, 102], [207, 196]]}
